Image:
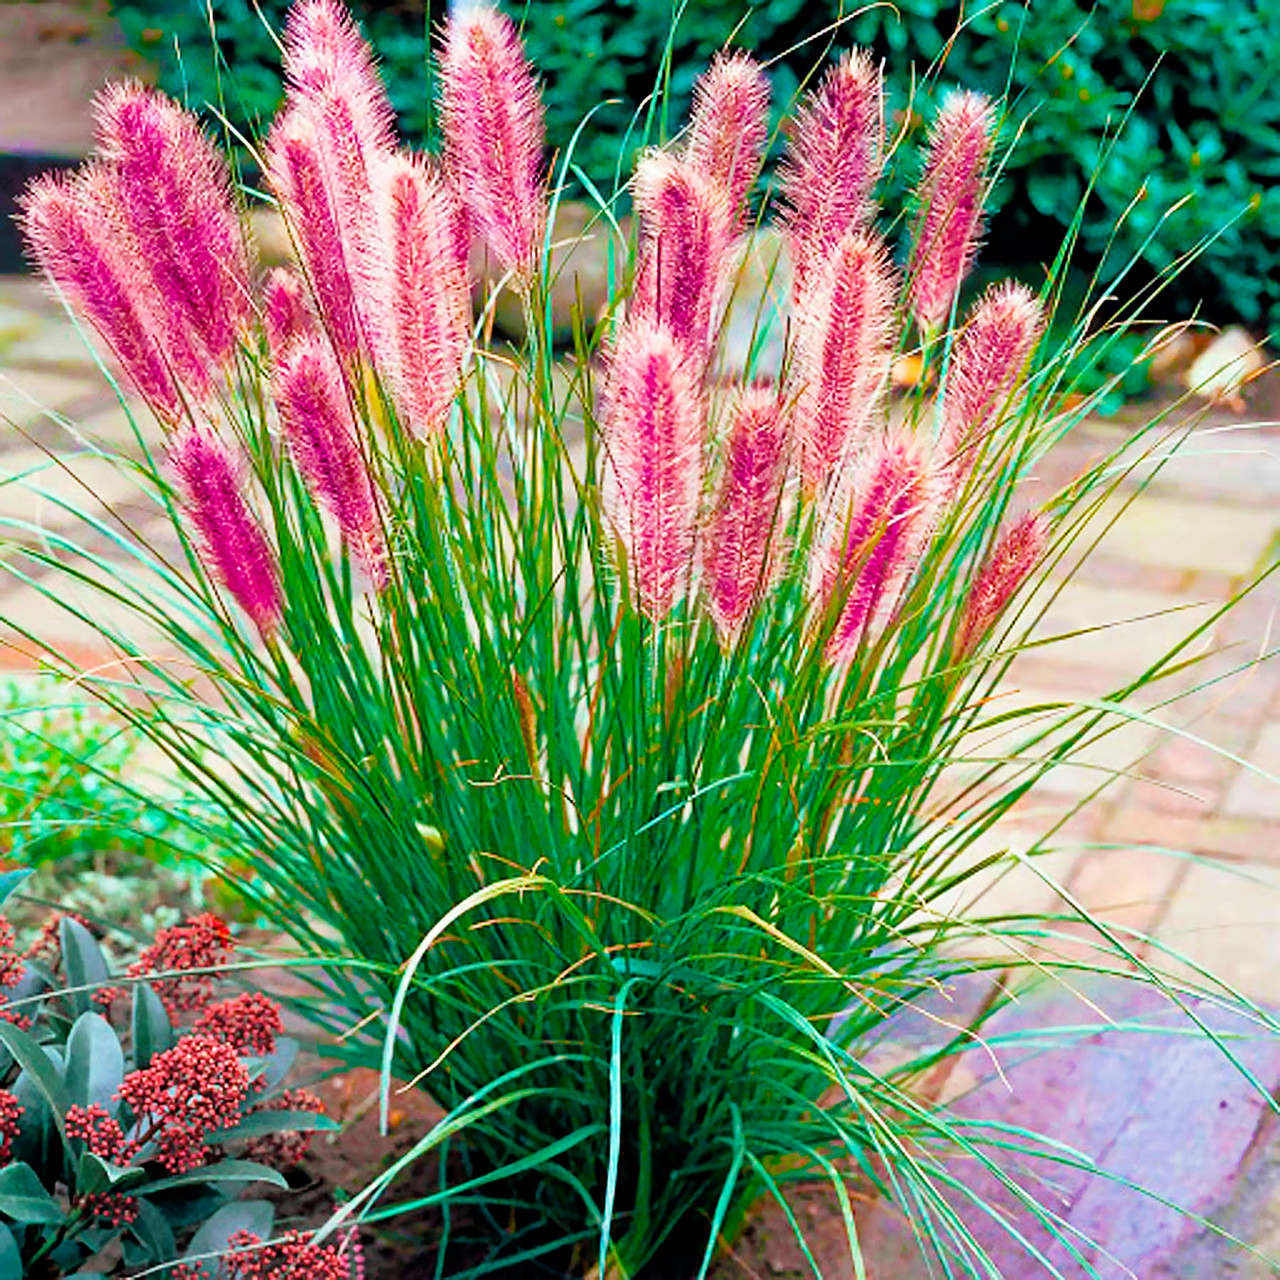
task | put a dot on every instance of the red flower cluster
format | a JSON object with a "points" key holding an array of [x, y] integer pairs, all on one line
{"points": [[10, 972], [187, 1093], [249, 1023], [48, 940], [294, 1258], [100, 1133], [10, 1110], [108, 1208], [203, 942], [284, 1149]]}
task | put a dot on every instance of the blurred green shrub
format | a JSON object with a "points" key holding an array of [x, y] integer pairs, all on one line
{"points": [[1204, 130]]}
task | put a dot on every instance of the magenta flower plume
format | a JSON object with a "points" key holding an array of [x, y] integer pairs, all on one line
{"points": [[491, 119], [284, 308], [234, 545], [70, 238], [729, 127], [871, 537], [175, 195], [833, 162], [843, 350], [988, 356], [320, 427], [1007, 566], [741, 540], [297, 174], [949, 201], [685, 238], [426, 321], [653, 434]]}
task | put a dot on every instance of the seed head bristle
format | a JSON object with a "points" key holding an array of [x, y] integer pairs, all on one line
{"points": [[1016, 552]]}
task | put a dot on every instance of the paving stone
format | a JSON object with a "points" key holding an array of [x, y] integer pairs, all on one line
{"points": [[32, 485], [27, 397], [1223, 919], [1253, 794], [1128, 887]]}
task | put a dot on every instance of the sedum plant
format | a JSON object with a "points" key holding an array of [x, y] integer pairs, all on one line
{"points": [[614, 731], [132, 1118]]}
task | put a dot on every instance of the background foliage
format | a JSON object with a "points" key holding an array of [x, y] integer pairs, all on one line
{"points": [[1207, 126]]}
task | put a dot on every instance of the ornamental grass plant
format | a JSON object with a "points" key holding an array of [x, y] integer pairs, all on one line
{"points": [[612, 728]]}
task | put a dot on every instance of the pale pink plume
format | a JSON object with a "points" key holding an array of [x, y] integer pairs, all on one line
{"points": [[424, 327], [729, 127], [333, 84], [871, 536], [686, 235], [72, 241], [843, 351], [491, 119], [234, 545], [320, 427], [1018, 549], [653, 421], [986, 360], [174, 193], [284, 308], [296, 170], [949, 204], [833, 162], [741, 541]]}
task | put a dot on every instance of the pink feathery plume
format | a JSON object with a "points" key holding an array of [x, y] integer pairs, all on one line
{"points": [[1007, 566], [333, 83], [491, 119], [740, 541], [833, 162], [284, 308], [232, 540], [728, 128], [653, 420], [297, 173], [686, 225], [425, 323], [871, 537], [988, 356], [949, 201], [70, 239], [174, 193], [843, 350], [318, 422]]}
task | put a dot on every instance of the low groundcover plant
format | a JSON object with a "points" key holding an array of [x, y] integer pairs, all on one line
{"points": [[134, 1113], [615, 730]]}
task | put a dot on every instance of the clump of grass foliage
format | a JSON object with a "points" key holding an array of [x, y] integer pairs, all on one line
{"points": [[596, 722]]}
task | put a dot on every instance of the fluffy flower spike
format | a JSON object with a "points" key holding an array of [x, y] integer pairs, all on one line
{"points": [[426, 324], [833, 161], [1010, 561], [988, 356], [175, 196], [491, 119], [321, 430], [729, 127], [949, 199], [653, 435], [72, 242], [843, 355], [871, 537], [296, 167], [685, 238], [284, 308], [233, 541], [740, 551]]}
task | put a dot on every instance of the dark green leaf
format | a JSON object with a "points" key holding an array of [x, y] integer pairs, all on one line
{"points": [[23, 1197], [35, 1062], [152, 1031], [212, 1240], [225, 1171], [95, 1174], [83, 963], [10, 1258], [10, 880], [263, 1122], [151, 1229], [95, 1062], [271, 1072]]}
